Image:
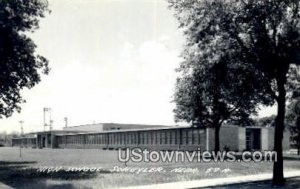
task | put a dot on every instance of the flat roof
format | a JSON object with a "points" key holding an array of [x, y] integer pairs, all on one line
{"points": [[130, 130], [58, 131], [120, 124]]}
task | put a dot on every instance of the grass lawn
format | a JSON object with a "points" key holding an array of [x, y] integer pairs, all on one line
{"points": [[22, 172]]}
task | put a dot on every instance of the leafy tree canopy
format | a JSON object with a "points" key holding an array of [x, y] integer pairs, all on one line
{"points": [[20, 65], [214, 85], [264, 34]]}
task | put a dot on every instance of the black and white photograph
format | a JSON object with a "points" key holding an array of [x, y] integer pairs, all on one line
{"points": [[149, 94]]}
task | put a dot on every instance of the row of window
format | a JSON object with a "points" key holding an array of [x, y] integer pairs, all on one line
{"points": [[24, 141], [169, 137]]}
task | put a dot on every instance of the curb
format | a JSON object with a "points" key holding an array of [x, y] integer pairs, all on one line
{"points": [[215, 182], [4, 186]]}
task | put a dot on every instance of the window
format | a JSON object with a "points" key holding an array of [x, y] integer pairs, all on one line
{"points": [[152, 137], [147, 137], [124, 138], [186, 137], [159, 135], [190, 136], [142, 138], [196, 135], [132, 138]]}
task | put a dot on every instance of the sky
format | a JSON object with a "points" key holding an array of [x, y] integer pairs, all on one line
{"points": [[110, 60]]}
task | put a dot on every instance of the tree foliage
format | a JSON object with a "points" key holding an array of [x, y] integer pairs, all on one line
{"points": [[293, 114], [293, 123], [214, 86], [217, 92], [20, 65], [264, 33], [268, 121]]}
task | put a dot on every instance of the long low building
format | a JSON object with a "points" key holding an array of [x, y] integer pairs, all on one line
{"points": [[114, 136]]}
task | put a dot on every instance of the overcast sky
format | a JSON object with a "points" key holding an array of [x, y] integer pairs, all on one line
{"points": [[111, 61]]}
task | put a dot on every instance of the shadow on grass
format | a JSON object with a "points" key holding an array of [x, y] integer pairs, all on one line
{"points": [[291, 183], [296, 158], [21, 175], [16, 162]]}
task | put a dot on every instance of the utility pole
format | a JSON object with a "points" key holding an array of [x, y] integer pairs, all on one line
{"points": [[51, 124], [45, 109], [21, 137], [66, 121], [50, 120]]}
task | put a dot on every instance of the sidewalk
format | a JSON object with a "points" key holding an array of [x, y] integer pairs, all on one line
{"points": [[215, 182], [4, 186]]}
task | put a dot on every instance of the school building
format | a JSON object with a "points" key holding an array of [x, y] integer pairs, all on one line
{"points": [[158, 137]]}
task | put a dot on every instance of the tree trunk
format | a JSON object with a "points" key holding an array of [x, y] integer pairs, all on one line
{"points": [[298, 143], [278, 178], [298, 133], [217, 137]]}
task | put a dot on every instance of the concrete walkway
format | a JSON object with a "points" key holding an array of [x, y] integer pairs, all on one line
{"points": [[4, 186], [215, 182]]}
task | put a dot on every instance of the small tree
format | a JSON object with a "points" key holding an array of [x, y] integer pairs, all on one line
{"points": [[293, 120], [20, 65]]}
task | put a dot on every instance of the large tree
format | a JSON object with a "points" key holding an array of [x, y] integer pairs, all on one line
{"points": [[20, 65], [209, 93], [214, 86], [267, 35]]}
